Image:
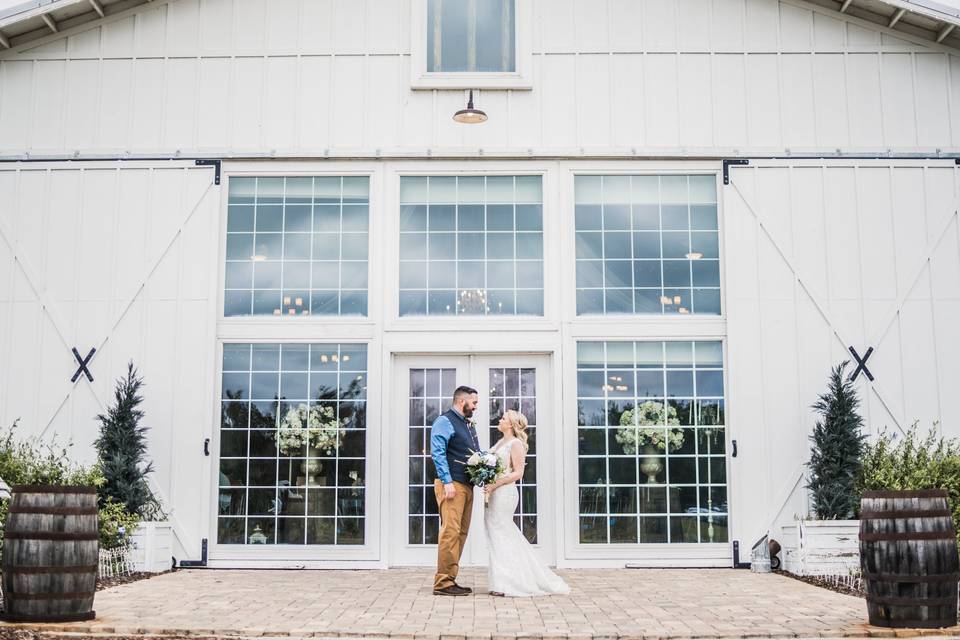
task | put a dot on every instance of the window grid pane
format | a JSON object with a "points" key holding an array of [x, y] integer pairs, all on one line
{"points": [[430, 394], [651, 442], [471, 245], [516, 389], [647, 245], [297, 246], [292, 461]]}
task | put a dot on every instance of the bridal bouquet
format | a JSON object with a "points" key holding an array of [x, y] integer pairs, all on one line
{"points": [[483, 467]]}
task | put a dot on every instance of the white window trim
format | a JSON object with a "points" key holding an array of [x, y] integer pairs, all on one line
{"points": [[521, 79]]}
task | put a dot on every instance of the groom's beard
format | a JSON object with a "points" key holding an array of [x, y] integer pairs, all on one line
{"points": [[467, 413]]}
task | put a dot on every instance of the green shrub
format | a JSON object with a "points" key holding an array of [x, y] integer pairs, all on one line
{"points": [[32, 461], [115, 523], [838, 444], [122, 448], [912, 462]]}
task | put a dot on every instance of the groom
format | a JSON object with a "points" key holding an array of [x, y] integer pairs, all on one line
{"points": [[451, 441]]}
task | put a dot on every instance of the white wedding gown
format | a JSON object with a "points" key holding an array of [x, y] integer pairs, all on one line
{"points": [[514, 568]]}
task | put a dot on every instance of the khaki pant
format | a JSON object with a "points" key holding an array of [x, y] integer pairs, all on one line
{"points": [[455, 515]]}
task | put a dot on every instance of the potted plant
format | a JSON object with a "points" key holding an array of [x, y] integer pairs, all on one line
{"points": [[644, 429], [315, 427], [122, 452], [826, 541]]}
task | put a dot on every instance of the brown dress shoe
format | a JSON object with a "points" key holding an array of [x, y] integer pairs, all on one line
{"points": [[465, 589], [452, 590]]}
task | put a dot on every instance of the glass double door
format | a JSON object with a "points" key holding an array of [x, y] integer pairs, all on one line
{"points": [[424, 390]]}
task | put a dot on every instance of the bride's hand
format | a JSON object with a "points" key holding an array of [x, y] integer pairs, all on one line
{"points": [[489, 488]]}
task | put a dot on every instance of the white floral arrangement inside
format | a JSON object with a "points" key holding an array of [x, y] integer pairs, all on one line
{"points": [[637, 428], [316, 426]]}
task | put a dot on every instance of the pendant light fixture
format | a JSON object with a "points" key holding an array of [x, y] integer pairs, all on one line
{"points": [[470, 115]]}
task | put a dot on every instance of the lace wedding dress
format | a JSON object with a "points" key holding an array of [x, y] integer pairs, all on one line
{"points": [[514, 568]]}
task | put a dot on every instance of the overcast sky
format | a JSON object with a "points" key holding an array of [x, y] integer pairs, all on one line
{"points": [[9, 3]]}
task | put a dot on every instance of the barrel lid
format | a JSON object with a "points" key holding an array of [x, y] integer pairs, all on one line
{"points": [[917, 493], [51, 488]]}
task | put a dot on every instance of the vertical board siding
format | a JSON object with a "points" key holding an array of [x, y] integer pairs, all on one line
{"points": [[857, 241], [255, 76], [86, 240]]}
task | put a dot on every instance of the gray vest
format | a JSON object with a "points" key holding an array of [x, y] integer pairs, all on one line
{"points": [[461, 443]]}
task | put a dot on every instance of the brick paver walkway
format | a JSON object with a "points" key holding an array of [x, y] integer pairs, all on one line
{"points": [[607, 603]]}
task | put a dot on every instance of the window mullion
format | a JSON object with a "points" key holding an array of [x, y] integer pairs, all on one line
{"points": [[471, 35]]}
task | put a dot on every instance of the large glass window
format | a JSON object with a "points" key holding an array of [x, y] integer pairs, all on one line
{"points": [[431, 393], [297, 246], [516, 389], [471, 35], [471, 245], [651, 442], [293, 444], [647, 244]]}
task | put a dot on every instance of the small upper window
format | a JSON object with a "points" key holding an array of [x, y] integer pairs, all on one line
{"points": [[471, 36]]}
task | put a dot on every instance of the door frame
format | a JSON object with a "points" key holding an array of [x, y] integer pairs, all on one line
{"points": [[472, 369]]}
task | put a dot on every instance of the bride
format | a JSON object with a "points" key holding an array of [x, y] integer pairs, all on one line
{"points": [[514, 569]]}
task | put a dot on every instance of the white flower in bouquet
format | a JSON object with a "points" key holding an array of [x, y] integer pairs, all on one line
{"points": [[474, 459], [490, 460]]}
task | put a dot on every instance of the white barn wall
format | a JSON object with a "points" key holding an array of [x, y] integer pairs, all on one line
{"points": [[610, 76], [76, 246], [850, 253]]}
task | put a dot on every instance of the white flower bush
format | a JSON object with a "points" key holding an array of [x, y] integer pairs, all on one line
{"points": [[316, 426], [644, 426]]}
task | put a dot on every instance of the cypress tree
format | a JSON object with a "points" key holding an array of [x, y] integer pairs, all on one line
{"points": [[837, 451], [122, 447]]}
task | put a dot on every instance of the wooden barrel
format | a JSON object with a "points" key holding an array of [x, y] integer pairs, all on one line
{"points": [[908, 554], [50, 554]]}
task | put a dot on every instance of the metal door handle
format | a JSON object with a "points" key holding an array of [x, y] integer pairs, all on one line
{"points": [[734, 454]]}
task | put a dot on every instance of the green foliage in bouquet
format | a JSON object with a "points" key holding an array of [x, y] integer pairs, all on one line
{"points": [[636, 430], [838, 444], [32, 461], [913, 462]]}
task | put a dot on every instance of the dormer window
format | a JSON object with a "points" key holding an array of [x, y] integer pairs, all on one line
{"points": [[471, 44], [471, 36]]}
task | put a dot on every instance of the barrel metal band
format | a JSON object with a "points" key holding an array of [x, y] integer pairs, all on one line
{"points": [[933, 623], [918, 493], [49, 595], [50, 488], [906, 513], [49, 535], [909, 535], [911, 601], [55, 511], [905, 577], [43, 617], [81, 568]]}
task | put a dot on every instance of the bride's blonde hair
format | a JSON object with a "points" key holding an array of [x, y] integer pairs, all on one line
{"points": [[518, 422]]}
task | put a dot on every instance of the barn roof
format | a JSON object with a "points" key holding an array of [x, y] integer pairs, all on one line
{"points": [[926, 20]]}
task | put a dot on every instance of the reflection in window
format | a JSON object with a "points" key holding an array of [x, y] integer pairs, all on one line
{"points": [[471, 245], [470, 35], [297, 246], [431, 393], [516, 389], [293, 444], [647, 244], [651, 442]]}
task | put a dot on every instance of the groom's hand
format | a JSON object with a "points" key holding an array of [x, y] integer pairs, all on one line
{"points": [[449, 491]]}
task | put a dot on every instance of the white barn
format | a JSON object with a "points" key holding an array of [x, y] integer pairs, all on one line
{"points": [[689, 210]]}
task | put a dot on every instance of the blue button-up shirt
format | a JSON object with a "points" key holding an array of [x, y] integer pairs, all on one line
{"points": [[440, 433]]}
